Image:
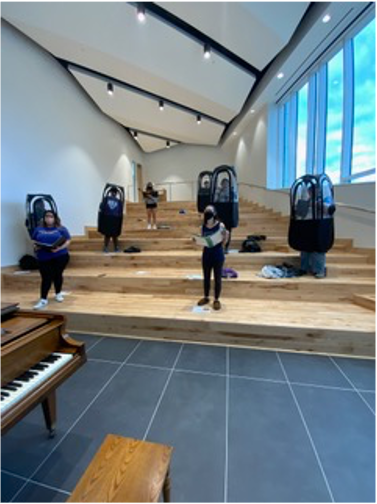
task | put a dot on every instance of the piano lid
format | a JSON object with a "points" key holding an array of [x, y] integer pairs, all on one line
{"points": [[15, 327], [8, 309]]}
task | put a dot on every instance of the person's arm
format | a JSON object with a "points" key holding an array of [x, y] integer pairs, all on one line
{"points": [[64, 231], [225, 233]]}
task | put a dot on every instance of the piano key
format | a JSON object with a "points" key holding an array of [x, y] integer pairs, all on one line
{"points": [[31, 380]]}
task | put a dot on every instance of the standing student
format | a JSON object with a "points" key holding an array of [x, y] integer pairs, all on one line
{"points": [[113, 209], [212, 257], [51, 241], [151, 200]]}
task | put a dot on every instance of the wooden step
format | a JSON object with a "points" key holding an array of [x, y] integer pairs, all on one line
{"points": [[282, 325], [367, 301], [336, 261], [171, 282], [155, 240]]}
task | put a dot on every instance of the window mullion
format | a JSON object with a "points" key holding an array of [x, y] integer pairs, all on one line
{"points": [[348, 111], [292, 137], [321, 120], [312, 105]]}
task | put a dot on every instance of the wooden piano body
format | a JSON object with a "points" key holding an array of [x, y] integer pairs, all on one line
{"points": [[27, 338]]}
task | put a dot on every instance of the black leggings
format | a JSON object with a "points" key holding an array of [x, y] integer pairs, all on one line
{"points": [[52, 271], [208, 266], [115, 241]]}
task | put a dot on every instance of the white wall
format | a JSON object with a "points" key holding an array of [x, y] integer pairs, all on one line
{"points": [[54, 141], [249, 150], [250, 153], [177, 169]]}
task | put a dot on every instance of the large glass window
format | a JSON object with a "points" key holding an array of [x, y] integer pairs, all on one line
{"points": [[302, 131], [363, 151], [334, 117], [331, 118]]}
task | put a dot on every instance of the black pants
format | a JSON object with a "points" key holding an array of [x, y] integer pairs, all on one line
{"points": [[115, 241], [209, 265], [52, 271]]}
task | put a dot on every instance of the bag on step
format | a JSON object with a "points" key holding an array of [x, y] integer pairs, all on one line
{"points": [[229, 273], [28, 262], [250, 246], [132, 250]]}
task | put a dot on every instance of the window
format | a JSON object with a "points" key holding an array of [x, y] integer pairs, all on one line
{"points": [[363, 151], [334, 117], [302, 130], [328, 123]]}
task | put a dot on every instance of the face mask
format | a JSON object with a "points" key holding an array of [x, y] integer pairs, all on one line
{"points": [[208, 216]]}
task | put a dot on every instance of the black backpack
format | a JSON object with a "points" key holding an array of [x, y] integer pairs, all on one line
{"points": [[28, 262], [250, 245]]}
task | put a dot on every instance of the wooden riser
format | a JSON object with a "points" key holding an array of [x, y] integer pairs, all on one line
{"points": [[368, 302], [337, 262], [320, 328], [178, 244], [168, 282]]}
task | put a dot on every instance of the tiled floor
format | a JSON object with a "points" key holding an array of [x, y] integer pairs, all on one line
{"points": [[246, 426]]}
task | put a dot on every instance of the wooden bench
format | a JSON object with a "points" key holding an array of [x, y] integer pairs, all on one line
{"points": [[126, 470]]}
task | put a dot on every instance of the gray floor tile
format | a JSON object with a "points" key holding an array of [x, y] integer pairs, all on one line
{"points": [[361, 372], [88, 339], [9, 486], [25, 446], [270, 456], [208, 359], [314, 369], [191, 418], [343, 430], [124, 408], [113, 349], [255, 364], [36, 493], [156, 353]]}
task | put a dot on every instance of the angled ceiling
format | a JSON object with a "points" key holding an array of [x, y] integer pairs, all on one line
{"points": [[162, 59]]}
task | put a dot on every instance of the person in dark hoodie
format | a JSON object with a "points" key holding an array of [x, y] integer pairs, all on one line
{"points": [[213, 256]]}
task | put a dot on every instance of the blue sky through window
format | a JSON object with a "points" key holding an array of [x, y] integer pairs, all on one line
{"points": [[363, 152], [334, 119]]}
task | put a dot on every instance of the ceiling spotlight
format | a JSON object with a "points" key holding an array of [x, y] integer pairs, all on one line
{"points": [[207, 51], [140, 14], [252, 111], [161, 105], [199, 119], [110, 88], [234, 133], [326, 18], [280, 75], [135, 135], [167, 144]]}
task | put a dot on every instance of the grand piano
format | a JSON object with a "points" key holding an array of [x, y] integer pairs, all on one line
{"points": [[36, 357]]}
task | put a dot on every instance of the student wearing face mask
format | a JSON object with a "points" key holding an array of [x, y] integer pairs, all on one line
{"points": [[213, 257]]}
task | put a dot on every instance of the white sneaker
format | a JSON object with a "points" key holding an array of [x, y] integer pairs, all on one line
{"points": [[154, 226], [59, 297], [41, 304], [149, 226]]}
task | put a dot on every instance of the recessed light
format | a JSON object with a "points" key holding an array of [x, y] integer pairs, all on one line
{"points": [[161, 105], [280, 75], [110, 88], [234, 133], [167, 144], [207, 51], [326, 18], [252, 111], [198, 119], [140, 14]]}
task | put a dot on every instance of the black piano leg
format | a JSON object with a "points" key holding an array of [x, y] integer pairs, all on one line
{"points": [[49, 412]]}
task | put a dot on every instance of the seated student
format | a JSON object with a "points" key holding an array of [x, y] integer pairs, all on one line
{"points": [[312, 262], [113, 207], [151, 200], [52, 260], [212, 258]]}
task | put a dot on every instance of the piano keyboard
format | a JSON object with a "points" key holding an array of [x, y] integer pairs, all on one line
{"points": [[21, 386]]}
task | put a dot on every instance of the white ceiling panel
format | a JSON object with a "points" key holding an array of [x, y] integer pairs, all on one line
{"points": [[139, 112], [153, 56], [151, 144], [255, 31]]}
